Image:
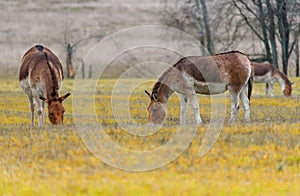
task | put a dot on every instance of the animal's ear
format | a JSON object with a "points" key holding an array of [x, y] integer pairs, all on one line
{"points": [[60, 99], [44, 99], [147, 93], [155, 97]]}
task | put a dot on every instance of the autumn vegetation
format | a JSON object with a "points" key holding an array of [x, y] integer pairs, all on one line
{"points": [[259, 158]]}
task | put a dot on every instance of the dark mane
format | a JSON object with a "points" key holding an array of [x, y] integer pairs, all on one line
{"points": [[232, 51]]}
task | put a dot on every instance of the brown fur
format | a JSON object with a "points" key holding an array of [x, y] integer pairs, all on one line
{"points": [[40, 77], [262, 69], [231, 70]]}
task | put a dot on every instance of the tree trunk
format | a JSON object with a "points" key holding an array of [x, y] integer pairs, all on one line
{"points": [[297, 58], [272, 33], [90, 71], [70, 70], [82, 69], [199, 25], [264, 31], [210, 45], [284, 32]]}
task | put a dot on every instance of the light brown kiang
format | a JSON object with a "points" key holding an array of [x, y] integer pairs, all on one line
{"points": [[40, 78], [269, 74], [208, 75]]}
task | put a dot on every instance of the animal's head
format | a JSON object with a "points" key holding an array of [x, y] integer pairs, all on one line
{"points": [[156, 110], [287, 91], [56, 109]]}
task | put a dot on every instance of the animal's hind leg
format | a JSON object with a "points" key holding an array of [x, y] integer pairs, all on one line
{"points": [[271, 89], [31, 105], [267, 89], [246, 104], [40, 110], [234, 100], [194, 102], [183, 104]]}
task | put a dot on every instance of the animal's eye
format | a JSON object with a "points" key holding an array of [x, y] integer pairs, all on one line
{"points": [[51, 114]]}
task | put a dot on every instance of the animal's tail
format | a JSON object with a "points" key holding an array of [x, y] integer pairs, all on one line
{"points": [[250, 82], [39, 47]]}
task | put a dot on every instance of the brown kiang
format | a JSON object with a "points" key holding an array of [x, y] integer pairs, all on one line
{"points": [[40, 78], [208, 75], [269, 74]]}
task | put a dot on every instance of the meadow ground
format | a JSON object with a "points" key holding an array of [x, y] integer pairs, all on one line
{"points": [[259, 158]]}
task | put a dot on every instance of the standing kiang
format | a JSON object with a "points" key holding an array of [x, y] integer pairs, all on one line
{"points": [[40, 77], [206, 75], [269, 74]]}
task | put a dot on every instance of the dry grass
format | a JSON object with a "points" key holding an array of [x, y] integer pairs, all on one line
{"points": [[260, 158]]}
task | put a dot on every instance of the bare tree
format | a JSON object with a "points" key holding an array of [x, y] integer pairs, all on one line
{"points": [[70, 50], [284, 32], [191, 15], [297, 58], [272, 32], [70, 70], [275, 23], [210, 45], [199, 24]]}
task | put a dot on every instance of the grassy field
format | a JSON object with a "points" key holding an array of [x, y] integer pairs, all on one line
{"points": [[260, 158]]}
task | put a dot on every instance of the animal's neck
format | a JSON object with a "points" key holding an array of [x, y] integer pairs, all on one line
{"points": [[164, 92], [281, 80], [162, 86]]}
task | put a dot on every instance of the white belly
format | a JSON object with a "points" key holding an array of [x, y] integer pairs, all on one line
{"points": [[265, 78]]}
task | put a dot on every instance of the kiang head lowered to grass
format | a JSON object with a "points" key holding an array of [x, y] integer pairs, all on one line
{"points": [[203, 75], [56, 109], [156, 110], [269, 74], [40, 77]]}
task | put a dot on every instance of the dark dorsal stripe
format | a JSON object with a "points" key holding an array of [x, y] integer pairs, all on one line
{"points": [[54, 93]]}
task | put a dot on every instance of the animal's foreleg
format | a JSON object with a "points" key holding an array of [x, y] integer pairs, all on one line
{"points": [[246, 104], [271, 89], [183, 107], [195, 105], [267, 89]]}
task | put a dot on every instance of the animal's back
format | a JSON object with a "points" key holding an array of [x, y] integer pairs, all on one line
{"points": [[216, 68], [40, 69], [261, 69]]}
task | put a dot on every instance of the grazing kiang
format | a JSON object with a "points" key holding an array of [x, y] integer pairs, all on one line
{"points": [[40, 77], [207, 75], [269, 74]]}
